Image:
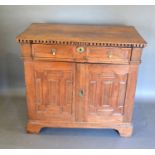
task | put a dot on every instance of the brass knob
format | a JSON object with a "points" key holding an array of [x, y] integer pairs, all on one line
{"points": [[109, 54], [80, 49], [81, 93], [53, 51]]}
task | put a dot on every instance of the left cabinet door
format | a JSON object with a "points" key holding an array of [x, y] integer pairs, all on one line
{"points": [[53, 88]]}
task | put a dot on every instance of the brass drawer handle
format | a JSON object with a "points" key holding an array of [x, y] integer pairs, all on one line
{"points": [[110, 54], [80, 49], [81, 93], [53, 51]]}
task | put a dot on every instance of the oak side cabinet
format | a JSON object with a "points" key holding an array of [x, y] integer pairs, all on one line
{"points": [[80, 76]]}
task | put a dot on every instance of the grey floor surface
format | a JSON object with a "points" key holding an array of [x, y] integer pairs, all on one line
{"points": [[13, 119]]}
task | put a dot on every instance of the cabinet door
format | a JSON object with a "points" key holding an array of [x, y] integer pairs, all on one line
{"points": [[106, 89], [54, 90]]}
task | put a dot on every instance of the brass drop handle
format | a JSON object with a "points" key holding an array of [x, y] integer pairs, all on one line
{"points": [[109, 54], [80, 49], [53, 51], [81, 93]]}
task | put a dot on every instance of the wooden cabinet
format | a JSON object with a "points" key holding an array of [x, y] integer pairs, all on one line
{"points": [[80, 76]]}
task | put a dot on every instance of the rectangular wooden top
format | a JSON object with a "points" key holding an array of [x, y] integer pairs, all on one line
{"points": [[75, 34]]}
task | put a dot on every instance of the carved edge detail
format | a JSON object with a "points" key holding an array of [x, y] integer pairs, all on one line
{"points": [[55, 42], [124, 130]]}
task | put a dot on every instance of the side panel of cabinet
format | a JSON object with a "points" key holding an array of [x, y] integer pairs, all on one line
{"points": [[53, 85], [106, 92]]}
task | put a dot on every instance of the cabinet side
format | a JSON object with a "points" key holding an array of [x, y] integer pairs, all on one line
{"points": [[131, 85]]}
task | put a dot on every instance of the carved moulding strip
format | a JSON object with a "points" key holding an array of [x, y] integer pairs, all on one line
{"points": [[55, 42]]}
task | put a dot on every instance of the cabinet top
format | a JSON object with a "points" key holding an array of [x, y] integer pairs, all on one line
{"points": [[85, 35]]}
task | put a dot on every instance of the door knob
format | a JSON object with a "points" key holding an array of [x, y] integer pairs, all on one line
{"points": [[109, 54], [53, 51]]}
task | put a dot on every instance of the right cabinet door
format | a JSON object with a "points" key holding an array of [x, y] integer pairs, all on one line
{"points": [[106, 91]]}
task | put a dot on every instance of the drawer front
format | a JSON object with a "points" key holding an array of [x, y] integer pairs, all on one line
{"points": [[52, 51], [109, 54], [82, 54]]}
